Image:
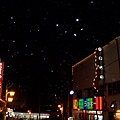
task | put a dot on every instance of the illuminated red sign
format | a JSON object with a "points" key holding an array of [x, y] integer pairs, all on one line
{"points": [[99, 103], [1, 76]]}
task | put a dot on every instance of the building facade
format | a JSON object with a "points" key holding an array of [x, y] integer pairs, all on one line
{"points": [[96, 82]]}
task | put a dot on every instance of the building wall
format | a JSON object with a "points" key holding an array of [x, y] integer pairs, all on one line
{"points": [[111, 62], [83, 75], [112, 72]]}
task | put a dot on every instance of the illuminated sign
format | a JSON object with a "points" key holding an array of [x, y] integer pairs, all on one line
{"points": [[81, 103], [75, 104], [98, 101], [1, 76], [88, 103]]}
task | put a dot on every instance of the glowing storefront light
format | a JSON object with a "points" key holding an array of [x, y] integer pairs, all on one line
{"points": [[33, 115], [117, 114]]}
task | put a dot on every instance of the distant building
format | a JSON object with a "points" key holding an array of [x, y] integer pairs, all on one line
{"points": [[96, 83], [57, 92]]}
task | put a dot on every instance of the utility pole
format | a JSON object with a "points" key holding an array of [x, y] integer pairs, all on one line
{"points": [[6, 98], [6, 91], [38, 101], [70, 97], [39, 106]]}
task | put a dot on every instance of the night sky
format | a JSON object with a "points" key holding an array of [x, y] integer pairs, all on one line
{"points": [[38, 39]]}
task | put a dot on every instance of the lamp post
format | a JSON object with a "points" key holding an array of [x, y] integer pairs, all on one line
{"points": [[8, 99], [61, 109], [70, 103], [29, 111]]}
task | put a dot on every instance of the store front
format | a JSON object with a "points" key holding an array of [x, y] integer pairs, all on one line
{"points": [[117, 115], [88, 108], [91, 115]]}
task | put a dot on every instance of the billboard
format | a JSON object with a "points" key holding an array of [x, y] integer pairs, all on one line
{"points": [[1, 76]]}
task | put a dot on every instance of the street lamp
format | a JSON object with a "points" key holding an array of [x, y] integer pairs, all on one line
{"points": [[29, 113], [70, 102], [61, 109], [8, 99], [71, 92], [59, 106]]}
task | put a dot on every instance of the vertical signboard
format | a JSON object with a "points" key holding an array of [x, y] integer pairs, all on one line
{"points": [[81, 103], [1, 76], [75, 104], [89, 102], [99, 103]]}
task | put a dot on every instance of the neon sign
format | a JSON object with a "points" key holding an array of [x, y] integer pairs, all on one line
{"points": [[75, 104], [88, 103], [98, 101]]}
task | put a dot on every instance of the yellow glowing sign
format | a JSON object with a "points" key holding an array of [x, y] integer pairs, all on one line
{"points": [[10, 99]]}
